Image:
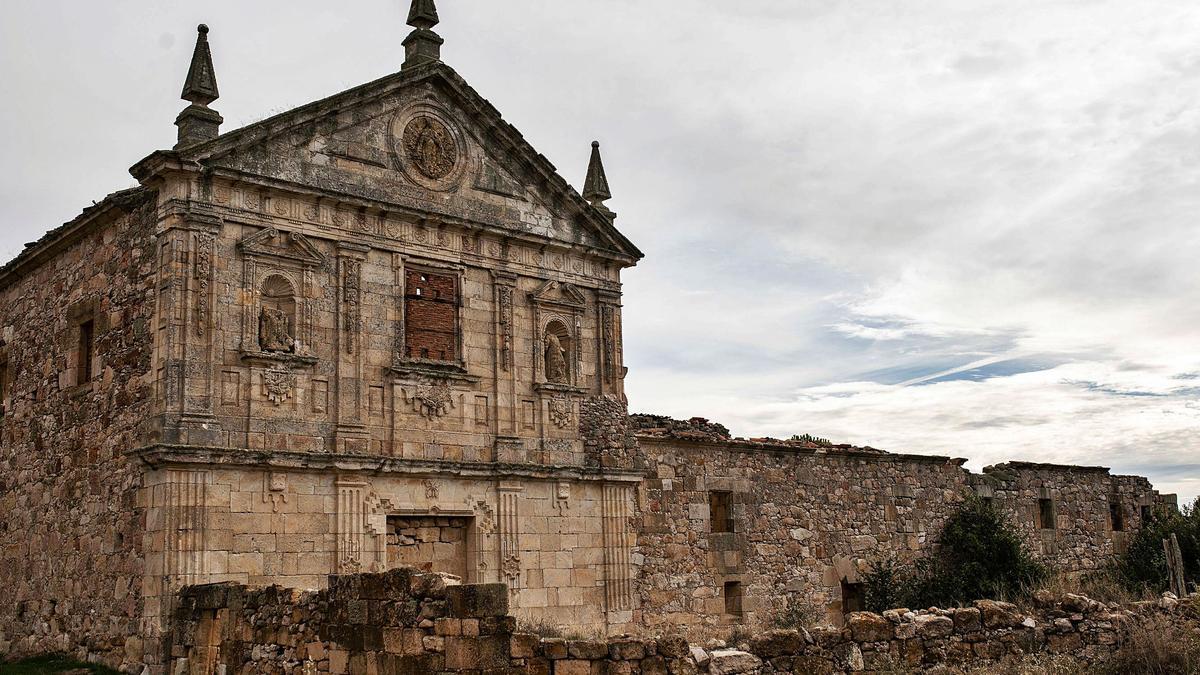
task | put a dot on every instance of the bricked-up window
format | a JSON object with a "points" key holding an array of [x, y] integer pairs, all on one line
{"points": [[87, 340], [1116, 516], [733, 599], [1046, 514], [431, 315], [719, 513]]}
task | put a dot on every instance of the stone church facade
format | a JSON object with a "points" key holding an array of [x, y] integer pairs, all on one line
{"points": [[380, 330]]}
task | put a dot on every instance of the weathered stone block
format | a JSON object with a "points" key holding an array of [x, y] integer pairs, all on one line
{"points": [[478, 600]]}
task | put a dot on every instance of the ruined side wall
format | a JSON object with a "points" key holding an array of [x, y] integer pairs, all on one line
{"points": [[70, 524], [806, 521], [1083, 502]]}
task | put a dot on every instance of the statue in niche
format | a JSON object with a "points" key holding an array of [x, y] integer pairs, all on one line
{"points": [[274, 334], [556, 360]]}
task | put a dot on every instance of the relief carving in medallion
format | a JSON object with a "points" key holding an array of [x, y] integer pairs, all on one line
{"points": [[430, 147]]}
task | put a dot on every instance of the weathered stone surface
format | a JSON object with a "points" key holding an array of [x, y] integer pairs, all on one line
{"points": [[732, 662], [999, 614], [869, 627]]}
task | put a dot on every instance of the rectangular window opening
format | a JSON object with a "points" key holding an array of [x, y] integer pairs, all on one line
{"points": [[719, 512], [86, 347], [733, 600], [1046, 514], [854, 597], [1116, 516], [1147, 514]]}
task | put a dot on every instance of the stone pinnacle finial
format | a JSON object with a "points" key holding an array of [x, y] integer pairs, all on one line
{"points": [[595, 186], [201, 84], [422, 45], [198, 123], [422, 14]]}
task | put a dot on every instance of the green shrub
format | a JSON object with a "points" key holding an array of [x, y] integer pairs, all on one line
{"points": [[1143, 566], [979, 555]]}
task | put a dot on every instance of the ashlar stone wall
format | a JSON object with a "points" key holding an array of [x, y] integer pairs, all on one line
{"points": [[75, 353]]}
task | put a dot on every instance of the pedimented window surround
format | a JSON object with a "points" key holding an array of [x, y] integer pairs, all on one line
{"points": [[278, 281]]}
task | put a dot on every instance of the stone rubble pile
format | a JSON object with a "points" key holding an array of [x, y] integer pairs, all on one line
{"points": [[403, 621]]}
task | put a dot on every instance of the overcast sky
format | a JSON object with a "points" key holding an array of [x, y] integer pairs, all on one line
{"points": [[957, 227]]}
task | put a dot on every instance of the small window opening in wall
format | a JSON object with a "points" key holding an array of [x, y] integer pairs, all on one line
{"points": [[989, 502], [1147, 514], [719, 512], [1046, 514], [733, 599], [1116, 516], [854, 597], [86, 345]]}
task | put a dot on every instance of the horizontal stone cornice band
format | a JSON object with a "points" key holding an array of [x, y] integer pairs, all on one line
{"points": [[158, 456]]}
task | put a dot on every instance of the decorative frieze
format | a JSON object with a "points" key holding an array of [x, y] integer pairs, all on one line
{"points": [[203, 276], [351, 300]]}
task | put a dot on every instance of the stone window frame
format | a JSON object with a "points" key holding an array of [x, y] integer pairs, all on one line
{"points": [[1116, 515], [82, 315], [735, 602], [727, 524], [1047, 514], [400, 362]]}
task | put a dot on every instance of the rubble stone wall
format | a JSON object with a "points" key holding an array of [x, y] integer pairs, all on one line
{"points": [[71, 528], [408, 622], [807, 522]]}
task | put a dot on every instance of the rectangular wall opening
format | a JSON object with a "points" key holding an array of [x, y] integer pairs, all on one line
{"points": [[1046, 514], [430, 543], [733, 600], [87, 336], [1116, 516], [719, 513], [854, 597]]}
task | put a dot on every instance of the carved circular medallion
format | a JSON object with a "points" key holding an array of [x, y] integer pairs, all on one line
{"points": [[430, 146]]}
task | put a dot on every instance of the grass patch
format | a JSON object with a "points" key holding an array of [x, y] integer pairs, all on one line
{"points": [[52, 663]]}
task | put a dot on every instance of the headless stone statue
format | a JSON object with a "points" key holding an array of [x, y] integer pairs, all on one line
{"points": [[556, 360], [273, 333]]}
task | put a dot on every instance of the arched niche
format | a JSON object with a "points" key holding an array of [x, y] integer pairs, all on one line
{"points": [[277, 315], [558, 352]]}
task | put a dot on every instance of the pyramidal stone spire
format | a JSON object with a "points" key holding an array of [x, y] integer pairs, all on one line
{"points": [[422, 45], [595, 186], [198, 123]]}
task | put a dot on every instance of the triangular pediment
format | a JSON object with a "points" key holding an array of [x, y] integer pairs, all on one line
{"points": [[421, 140], [270, 242], [559, 293]]}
